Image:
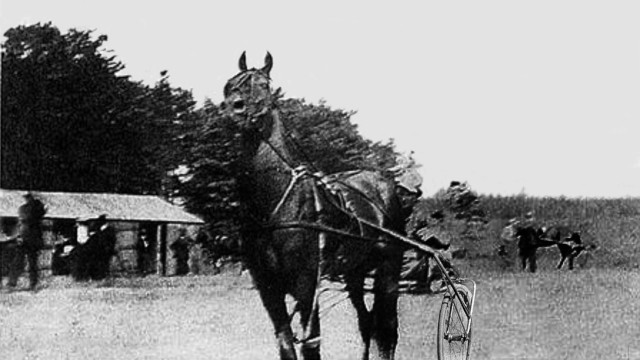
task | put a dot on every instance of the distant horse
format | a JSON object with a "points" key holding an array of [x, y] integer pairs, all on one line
{"points": [[569, 243], [287, 212]]}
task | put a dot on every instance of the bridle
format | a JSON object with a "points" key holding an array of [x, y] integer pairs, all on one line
{"points": [[241, 106]]}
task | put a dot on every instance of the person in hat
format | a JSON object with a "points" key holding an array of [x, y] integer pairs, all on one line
{"points": [[30, 215], [104, 239], [144, 252], [78, 263], [195, 254], [529, 220], [180, 249], [408, 181], [8, 245], [507, 239], [508, 233]]}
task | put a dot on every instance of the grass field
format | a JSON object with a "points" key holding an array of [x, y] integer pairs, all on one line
{"points": [[585, 314], [590, 313]]}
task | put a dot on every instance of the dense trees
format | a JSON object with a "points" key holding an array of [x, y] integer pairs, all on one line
{"points": [[72, 122]]}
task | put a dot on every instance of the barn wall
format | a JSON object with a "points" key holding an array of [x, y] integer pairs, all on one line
{"points": [[127, 235], [126, 261], [50, 238]]}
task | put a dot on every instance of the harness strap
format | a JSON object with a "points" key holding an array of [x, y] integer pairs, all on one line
{"points": [[309, 343], [297, 173]]}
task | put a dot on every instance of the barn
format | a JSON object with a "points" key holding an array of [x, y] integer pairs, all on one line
{"points": [[129, 215]]}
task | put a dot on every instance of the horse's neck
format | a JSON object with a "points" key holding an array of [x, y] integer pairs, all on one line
{"points": [[274, 152], [270, 169]]}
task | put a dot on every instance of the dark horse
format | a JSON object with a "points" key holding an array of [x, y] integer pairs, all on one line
{"points": [[569, 243], [289, 213]]}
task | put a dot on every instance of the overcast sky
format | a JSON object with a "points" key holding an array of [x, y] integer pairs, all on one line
{"points": [[534, 96]]}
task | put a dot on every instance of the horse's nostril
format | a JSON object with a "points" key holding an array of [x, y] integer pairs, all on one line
{"points": [[238, 105]]}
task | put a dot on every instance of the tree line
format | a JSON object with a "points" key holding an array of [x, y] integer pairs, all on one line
{"points": [[71, 121]]}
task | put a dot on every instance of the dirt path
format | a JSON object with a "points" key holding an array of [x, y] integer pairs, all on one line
{"points": [[580, 315]]}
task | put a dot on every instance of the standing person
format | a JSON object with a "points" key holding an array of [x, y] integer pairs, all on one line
{"points": [[30, 215], [106, 239], [506, 243], [180, 249], [99, 248], [82, 254], [530, 220], [195, 255], [8, 246], [143, 248]]}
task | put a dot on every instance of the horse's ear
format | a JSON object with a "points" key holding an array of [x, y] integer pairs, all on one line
{"points": [[268, 64], [243, 61]]}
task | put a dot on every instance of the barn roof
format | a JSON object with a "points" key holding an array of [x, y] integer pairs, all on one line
{"points": [[65, 205]]}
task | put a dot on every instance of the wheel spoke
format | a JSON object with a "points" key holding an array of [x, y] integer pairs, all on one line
{"points": [[453, 339]]}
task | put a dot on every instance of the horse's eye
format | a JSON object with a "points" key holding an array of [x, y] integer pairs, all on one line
{"points": [[238, 104]]}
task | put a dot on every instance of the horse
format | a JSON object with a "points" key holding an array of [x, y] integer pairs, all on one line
{"points": [[569, 243], [300, 227]]}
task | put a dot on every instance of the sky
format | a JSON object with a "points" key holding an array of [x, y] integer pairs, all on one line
{"points": [[535, 97]]}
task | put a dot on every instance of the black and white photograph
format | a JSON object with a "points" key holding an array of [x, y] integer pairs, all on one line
{"points": [[319, 180]]}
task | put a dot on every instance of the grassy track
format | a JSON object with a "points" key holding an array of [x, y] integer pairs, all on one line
{"points": [[586, 314]]}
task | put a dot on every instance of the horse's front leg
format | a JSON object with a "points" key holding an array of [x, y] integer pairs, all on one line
{"points": [[308, 307], [562, 258], [385, 307], [311, 345], [355, 287], [273, 299]]}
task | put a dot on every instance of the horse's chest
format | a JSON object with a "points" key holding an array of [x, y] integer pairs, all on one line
{"points": [[280, 197]]}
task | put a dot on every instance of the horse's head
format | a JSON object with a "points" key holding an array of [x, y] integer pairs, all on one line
{"points": [[248, 97]]}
